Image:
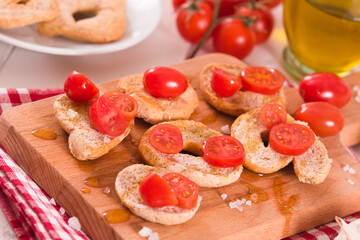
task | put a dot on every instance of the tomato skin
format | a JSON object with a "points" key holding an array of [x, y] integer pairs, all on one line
{"points": [[166, 138], [186, 191], [178, 3], [223, 151], [227, 7], [291, 138], [224, 83], [261, 79], [79, 88], [106, 117], [264, 24], [164, 82], [323, 118], [193, 27], [272, 114], [127, 104], [156, 192], [325, 87], [232, 37]]}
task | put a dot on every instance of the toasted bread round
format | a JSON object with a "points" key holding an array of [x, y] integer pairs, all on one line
{"points": [[127, 185], [21, 13], [99, 21], [85, 142], [241, 101], [155, 110], [193, 167], [311, 167]]}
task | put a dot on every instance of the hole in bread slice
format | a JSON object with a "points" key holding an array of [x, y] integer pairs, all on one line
{"points": [[192, 148], [81, 15], [265, 138], [23, 2]]}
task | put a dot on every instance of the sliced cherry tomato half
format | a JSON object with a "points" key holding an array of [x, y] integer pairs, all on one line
{"points": [[323, 118], [166, 138], [291, 138], [186, 191], [325, 87], [79, 88], [156, 192], [223, 151], [272, 114], [106, 117], [164, 82], [127, 104], [261, 79], [224, 84]]}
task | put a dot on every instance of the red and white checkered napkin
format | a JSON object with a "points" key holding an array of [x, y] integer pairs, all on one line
{"points": [[29, 209]]}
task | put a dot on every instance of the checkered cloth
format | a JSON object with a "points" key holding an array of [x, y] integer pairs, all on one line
{"points": [[30, 211]]}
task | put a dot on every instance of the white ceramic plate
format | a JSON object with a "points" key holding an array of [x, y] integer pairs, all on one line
{"points": [[142, 18]]}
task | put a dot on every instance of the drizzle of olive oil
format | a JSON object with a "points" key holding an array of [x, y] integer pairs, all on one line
{"points": [[45, 134]]}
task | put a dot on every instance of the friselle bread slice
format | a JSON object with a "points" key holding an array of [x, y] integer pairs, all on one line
{"points": [[310, 167], [155, 110], [127, 185], [85, 142], [16, 13], [193, 167], [242, 101]]}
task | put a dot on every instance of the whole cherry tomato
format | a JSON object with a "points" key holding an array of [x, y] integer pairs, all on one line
{"points": [[178, 3], [323, 118], [127, 104], [186, 191], [270, 3], [272, 114], [325, 87], [164, 82], [166, 138], [227, 7], [193, 21], [232, 37], [79, 88], [264, 22], [156, 192], [224, 84]]}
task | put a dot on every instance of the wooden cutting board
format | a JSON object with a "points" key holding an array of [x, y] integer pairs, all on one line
{"points": [[284, 206]]}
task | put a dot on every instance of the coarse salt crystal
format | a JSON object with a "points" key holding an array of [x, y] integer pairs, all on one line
{"points": [[352, 171], [224, 196], [52, 201], [330, 160], [346, 168], [154, 236], [107, 190], [357, 98], [62, 211], [351, 181], [248, 202], [232, 205], [226, 129], [74, 223], [356, 88], [145, 232], [261, 175], [71, 113]]}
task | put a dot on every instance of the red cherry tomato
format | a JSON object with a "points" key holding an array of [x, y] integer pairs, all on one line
{"points": [[224, 84], [166, 138], [291, 138], [106, 117], [164, 82], [156, 192], [79, 88], [325, 87], [261, 79], [223, 151], [323, 118], [264, 22], [227, 7], [178, 3], [272, 114], [270, 3], [232, 37], [127, 104], [186, 191], [193, 22]]}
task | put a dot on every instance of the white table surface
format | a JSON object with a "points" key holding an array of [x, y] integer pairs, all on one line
{"points": [[28, 69]]}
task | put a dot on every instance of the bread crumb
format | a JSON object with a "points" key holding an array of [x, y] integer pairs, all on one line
{"points": [[74, 223], [145, 232], [224, 196], [225, 129], [62, 211], [351, 181], [52, 201]]}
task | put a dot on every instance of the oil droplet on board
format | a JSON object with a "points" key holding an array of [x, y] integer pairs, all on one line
{"points": [[255, 194], [92, 182], [209, 119], [116, 215], [45, 134], [85, 190]]}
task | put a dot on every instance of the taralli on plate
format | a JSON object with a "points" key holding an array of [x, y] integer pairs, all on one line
{"points": [[15, 13], [241, 101], [127, 185], [99, 21], [193, 167], [311, 167], [158, 109]]}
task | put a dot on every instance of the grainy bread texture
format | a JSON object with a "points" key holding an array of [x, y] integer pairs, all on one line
{"points": [[241, 101], [193, 167], [311, 167], [127, 185], [107, 25], [16, 13], [85, 142], [155, 110]]}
